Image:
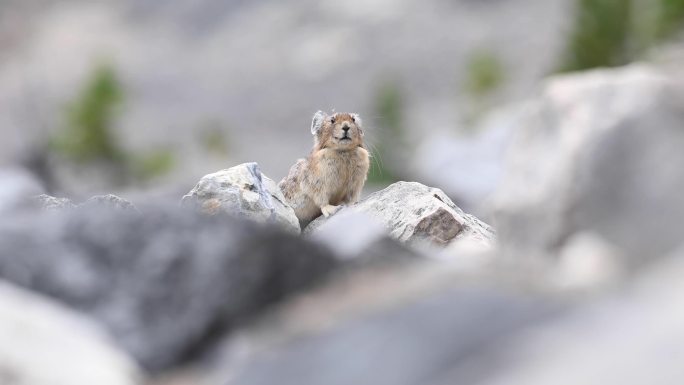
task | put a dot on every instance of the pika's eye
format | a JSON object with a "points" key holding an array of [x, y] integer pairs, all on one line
{"points": [[332, 120], [353, 119]]}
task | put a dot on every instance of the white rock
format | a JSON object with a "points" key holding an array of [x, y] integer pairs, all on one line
{"points": [[244, 191], [412, 212], [599, 152], [349, 233], [586, 262], [44, 344], [17, 187]]}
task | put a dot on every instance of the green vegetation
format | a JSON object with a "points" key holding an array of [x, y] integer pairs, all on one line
{"points": [[670, 18], [389, 129], [87, 137], [88, 133], [485, 74], [214, 138], [149, 166], [601, 35], [609, 33]]}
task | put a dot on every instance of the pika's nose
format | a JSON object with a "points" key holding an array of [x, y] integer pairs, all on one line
{"points": [[345, 128]]}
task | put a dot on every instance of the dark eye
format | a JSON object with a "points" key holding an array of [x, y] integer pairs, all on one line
{"points": [[332, 120], [353, 119]]}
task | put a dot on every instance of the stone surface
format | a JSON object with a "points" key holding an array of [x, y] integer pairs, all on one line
{"points": [[419, 324], [17, 186], [635, 337], [164, 284], [48, 202], [109, 201], [42, 343], [598, 152], [411, 212], [244, 191]]}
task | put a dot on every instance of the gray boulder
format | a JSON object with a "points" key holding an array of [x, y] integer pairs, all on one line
{"points": [[424, 323], [164, 284], [635, 336], [42, 343], [597, 152], [244, 191], [412, 213]]}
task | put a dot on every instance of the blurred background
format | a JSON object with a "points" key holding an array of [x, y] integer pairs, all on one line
{"points": [[558, 122], [149, 96]]}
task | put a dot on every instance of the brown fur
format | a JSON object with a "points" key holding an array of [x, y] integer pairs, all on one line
{"points": [[334, 172]]}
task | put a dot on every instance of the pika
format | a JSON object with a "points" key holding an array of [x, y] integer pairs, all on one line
{"points": [[334, 172]]}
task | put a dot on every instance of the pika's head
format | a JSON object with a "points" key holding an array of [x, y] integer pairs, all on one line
{"points": [[339, 131]]}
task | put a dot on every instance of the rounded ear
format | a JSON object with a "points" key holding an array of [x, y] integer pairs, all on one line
{"points": [[317, 122], [359, 123]]}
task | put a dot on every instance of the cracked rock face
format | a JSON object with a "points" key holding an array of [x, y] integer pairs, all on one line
{"points": [[243, 191], [412, 212]]}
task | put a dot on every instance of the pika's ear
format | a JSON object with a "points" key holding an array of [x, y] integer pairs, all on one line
{"points": [[317, 122], [359, 123]]}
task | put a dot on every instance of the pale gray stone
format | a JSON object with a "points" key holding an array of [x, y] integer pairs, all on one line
{"points": [[244, 191], [598, 152], [412, 212], [43, 343]]}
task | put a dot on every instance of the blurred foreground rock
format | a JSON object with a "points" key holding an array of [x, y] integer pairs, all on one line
{"points": [[633, 337], [598, 152], [165, 283], [421, 324], [17, 186], [244, 191], [415, 213], [42, 343], [432, 325]]}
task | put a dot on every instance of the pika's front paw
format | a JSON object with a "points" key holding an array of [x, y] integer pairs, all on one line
{"points": [[330, 210]]}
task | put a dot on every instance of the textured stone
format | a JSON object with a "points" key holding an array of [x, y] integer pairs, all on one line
{"points": [[411, 212], [244, 191], [109, 201], [48, 202]]}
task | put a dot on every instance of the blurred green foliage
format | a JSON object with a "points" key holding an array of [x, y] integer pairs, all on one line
{"points": [[389, 131], [484, 74], [154, 164], [609, 33], [600, 36], [214, 138], [670, 18], [88, 133]]}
